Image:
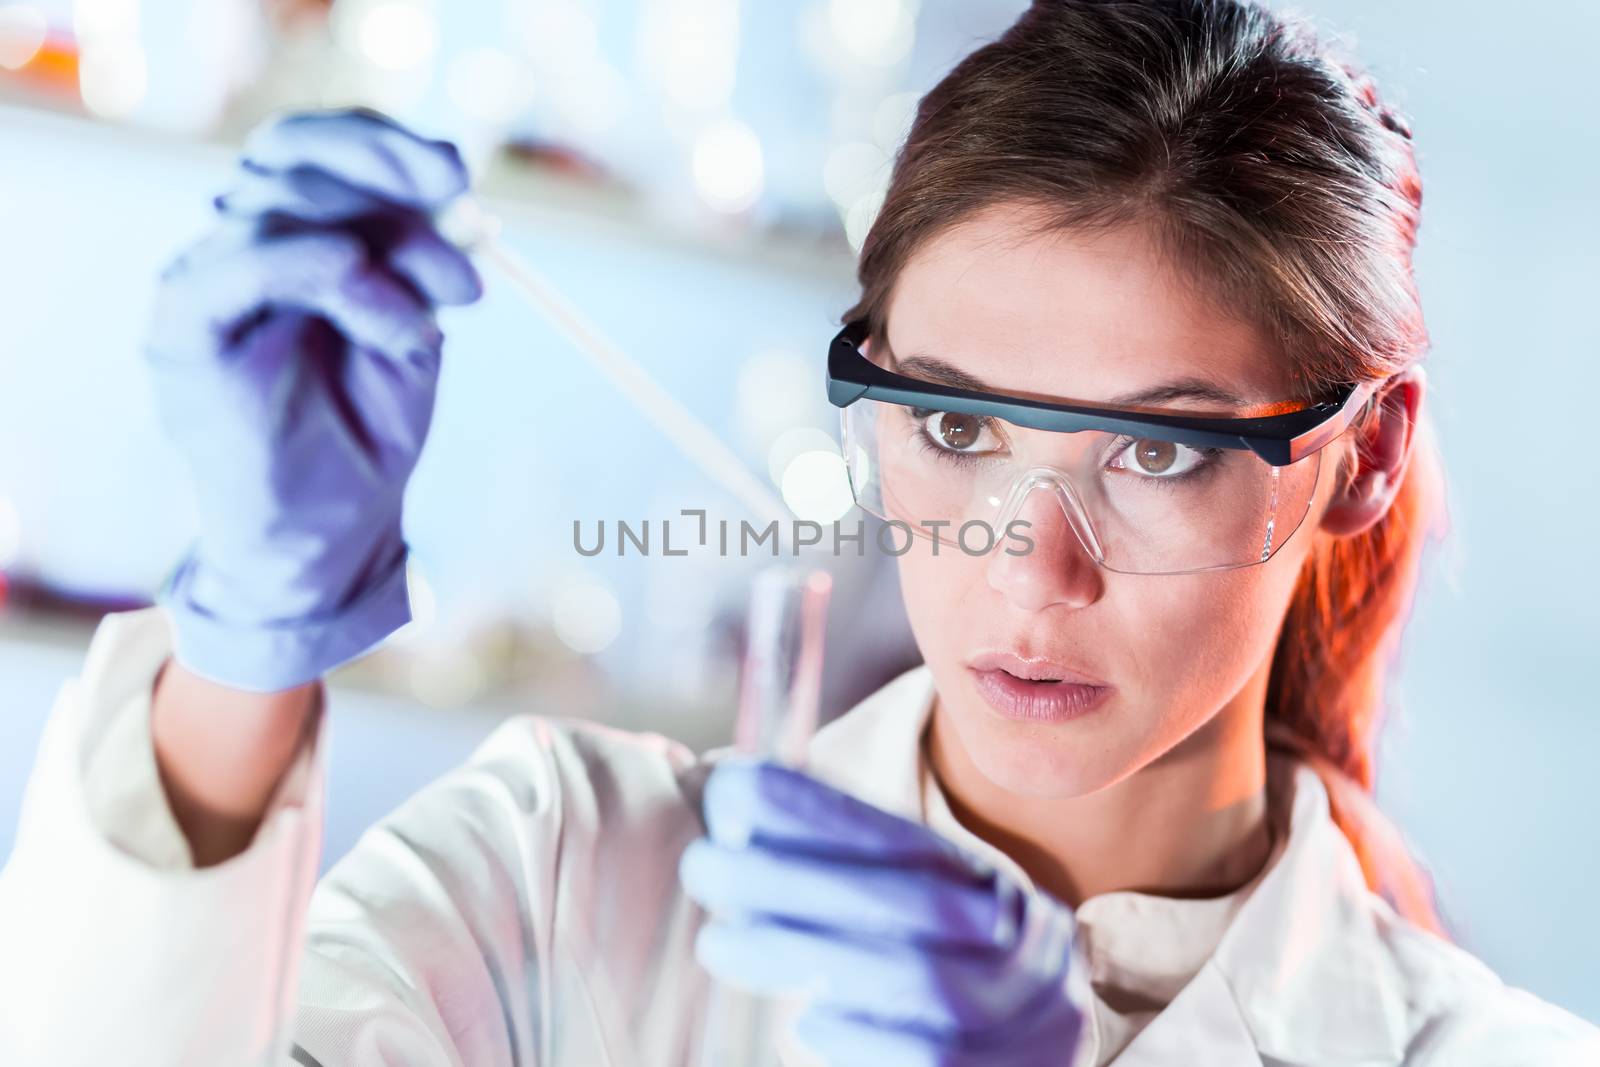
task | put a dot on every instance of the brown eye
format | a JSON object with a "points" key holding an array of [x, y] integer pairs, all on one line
{"points": [[956, 431], [953, 434], [1161, 462], [1155, 457]]}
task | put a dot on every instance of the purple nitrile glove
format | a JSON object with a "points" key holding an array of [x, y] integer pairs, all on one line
{"points": [[914, 953], [294, 356]]}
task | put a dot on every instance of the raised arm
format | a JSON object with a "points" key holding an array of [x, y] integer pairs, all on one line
{"points": [[154, 909]]}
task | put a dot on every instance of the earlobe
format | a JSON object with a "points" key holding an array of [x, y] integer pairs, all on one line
{"points": [[1381, 453]]}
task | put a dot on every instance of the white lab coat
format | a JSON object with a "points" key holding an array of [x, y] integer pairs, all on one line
{"points": [[524, 910]]}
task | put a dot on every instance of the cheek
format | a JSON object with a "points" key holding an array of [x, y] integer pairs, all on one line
{"points": [[935, 591], [1194, 641], [1205, 635], [1178, 647], [1198, 640]]}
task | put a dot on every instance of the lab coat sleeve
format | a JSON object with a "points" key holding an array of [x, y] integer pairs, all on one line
{"points": [[431, 944], [113, 948], [520, 910]]}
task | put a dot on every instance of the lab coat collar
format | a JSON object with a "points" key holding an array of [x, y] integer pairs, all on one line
{"points": [[1304, 957], [1301, 974]]}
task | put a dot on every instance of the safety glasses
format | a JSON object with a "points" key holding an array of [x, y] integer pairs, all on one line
{"points": [[1145, 491]]}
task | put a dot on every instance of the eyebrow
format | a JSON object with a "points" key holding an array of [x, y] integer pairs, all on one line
{"points": [[937, 370]]}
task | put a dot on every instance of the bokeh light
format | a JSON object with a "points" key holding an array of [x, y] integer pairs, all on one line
{"points": [[393, 35], [792, 443], [816, 486], [448, 676], [691, 49], [22, 33], [728, 167], [113, 77], [585, 614], [875, 32]]}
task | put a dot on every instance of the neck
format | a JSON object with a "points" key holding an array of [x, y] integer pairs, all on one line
{"points": [[1191, 823]]}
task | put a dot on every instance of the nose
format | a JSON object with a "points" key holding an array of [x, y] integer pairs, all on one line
{"points": [[1057, 569]]}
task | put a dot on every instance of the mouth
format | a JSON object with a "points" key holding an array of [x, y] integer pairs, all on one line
{"points": [[1034, 669], [1035, 689]]}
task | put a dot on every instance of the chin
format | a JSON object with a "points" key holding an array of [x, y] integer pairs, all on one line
{"points": [[1038, 759]]}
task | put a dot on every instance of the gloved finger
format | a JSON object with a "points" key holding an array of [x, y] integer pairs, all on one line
{"points": [[302, 192], [758, 800], [409, 241], [208, 295], [879, 900], [391, 404], [846, 1040], [938, 989], [440, 271], [1048, 1035], [366, 150]]}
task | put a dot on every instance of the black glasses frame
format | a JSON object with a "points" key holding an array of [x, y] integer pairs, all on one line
{"points": [[1278, 439]]}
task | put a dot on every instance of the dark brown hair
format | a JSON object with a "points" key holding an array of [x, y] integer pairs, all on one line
{"points": [[1269, 169]]}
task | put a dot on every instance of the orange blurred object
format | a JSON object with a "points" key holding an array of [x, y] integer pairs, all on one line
{"points": [[53, 68]]}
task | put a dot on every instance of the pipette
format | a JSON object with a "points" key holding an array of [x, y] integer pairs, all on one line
{"points": [[473, 229]]}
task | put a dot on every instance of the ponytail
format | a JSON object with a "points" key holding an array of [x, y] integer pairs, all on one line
{"points": [[1326, 696]]}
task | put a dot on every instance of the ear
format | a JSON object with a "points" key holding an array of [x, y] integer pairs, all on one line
{"points": [[1377, 463]]}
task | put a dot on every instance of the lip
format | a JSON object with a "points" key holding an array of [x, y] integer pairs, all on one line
{"points": [[1014, 688], [1032, 668]]}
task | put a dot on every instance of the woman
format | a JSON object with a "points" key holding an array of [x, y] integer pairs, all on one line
{"points": [[1122, 811]]}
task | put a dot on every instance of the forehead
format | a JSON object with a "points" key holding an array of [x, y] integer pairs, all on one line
{"points": [[1070, 314]]}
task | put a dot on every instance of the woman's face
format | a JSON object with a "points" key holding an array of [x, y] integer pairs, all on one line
{"points": [[1088, 317]]}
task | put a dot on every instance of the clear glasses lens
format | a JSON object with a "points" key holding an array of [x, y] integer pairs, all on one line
{"points": [[1141, 506]]}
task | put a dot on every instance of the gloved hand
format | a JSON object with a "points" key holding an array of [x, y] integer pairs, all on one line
{"points": [[915, 953], [294, 356]]}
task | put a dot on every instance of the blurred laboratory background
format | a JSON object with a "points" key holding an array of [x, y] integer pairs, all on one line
{"points": [[695, 176]]}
